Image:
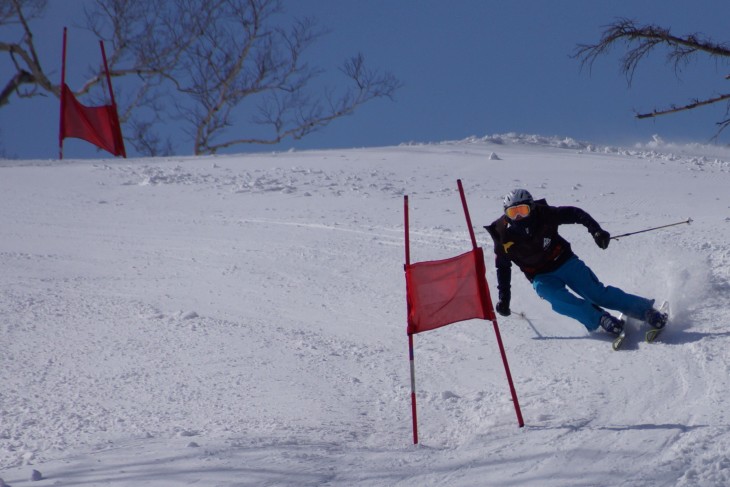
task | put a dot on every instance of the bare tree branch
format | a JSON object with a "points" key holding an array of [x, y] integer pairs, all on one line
{"points": [[690, 106], [22, 52], [295, 116], [203, 62], [640, 41]]}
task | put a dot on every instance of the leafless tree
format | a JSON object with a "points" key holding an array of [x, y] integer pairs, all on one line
{"points": [[641, 40], [207, 63], [28, 71]]}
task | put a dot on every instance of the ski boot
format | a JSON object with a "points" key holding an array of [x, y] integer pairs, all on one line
{"points": [[655, 318], [615, 326], [612, 324]]}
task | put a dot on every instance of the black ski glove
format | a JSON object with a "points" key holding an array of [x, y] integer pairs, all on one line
{"points": [[503, 308], [602, 238]]}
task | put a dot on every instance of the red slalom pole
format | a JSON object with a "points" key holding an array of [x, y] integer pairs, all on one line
{"points": [[512, 389], [111, 96], [63, 104], [414, 415], [486, 301], [408, 242], [106, 72], [411, 359], [466, 213]]}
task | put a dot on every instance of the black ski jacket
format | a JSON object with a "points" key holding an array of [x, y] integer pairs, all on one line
{"points": [[534, 244]]}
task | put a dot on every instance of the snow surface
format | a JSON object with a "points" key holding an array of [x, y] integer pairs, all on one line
{"points": [[240, 321]]}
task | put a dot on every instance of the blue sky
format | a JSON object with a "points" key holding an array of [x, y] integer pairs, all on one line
{"points": [[468, 68]]}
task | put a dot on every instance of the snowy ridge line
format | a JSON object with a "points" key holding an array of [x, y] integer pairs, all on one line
{"points": [[696, 155], [691, 152]]}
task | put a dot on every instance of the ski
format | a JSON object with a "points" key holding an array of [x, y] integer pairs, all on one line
{"points": [[653, 333], [619, 340]]}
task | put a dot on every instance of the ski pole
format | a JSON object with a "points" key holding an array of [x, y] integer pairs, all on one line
{"points": [[687, 221], [522, 315]]}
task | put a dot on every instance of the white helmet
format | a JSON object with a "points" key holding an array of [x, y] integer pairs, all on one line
{"points": [[518, 197]]}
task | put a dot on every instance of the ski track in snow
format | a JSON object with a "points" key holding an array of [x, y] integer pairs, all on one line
{"points": [[240, 320]]}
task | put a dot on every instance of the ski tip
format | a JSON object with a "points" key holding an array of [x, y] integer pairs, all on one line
{"points": [[652, 335], [618, 341]]}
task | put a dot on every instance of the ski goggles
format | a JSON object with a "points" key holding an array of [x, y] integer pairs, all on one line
{"points": [[517, 212]]}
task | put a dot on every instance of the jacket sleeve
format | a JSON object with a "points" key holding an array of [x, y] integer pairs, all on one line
{"points": [[503, 264], [572, 214], [504, 278]]}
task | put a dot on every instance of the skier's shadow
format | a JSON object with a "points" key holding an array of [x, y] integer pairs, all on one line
{"points": [[680, 337], [636, 336], [673, 335]]}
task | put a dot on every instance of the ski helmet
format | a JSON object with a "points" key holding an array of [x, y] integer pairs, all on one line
{"points": [[518, 197]]}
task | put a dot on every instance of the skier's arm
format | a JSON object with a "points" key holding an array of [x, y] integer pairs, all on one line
{"points": [[503, 264], [504, 281], [572, 214]]}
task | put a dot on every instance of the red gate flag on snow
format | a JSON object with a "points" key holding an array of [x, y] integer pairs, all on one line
{"points": [[442, 292], [446, 291], [97, 125]]}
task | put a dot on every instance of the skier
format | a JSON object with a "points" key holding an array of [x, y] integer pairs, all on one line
{"points": [[527, 234]]}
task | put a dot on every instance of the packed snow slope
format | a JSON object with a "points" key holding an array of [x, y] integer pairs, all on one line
{"points": [[241, 320]]}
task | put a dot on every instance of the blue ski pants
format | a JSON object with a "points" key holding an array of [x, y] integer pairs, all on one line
{"points": [[589, 293]]}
